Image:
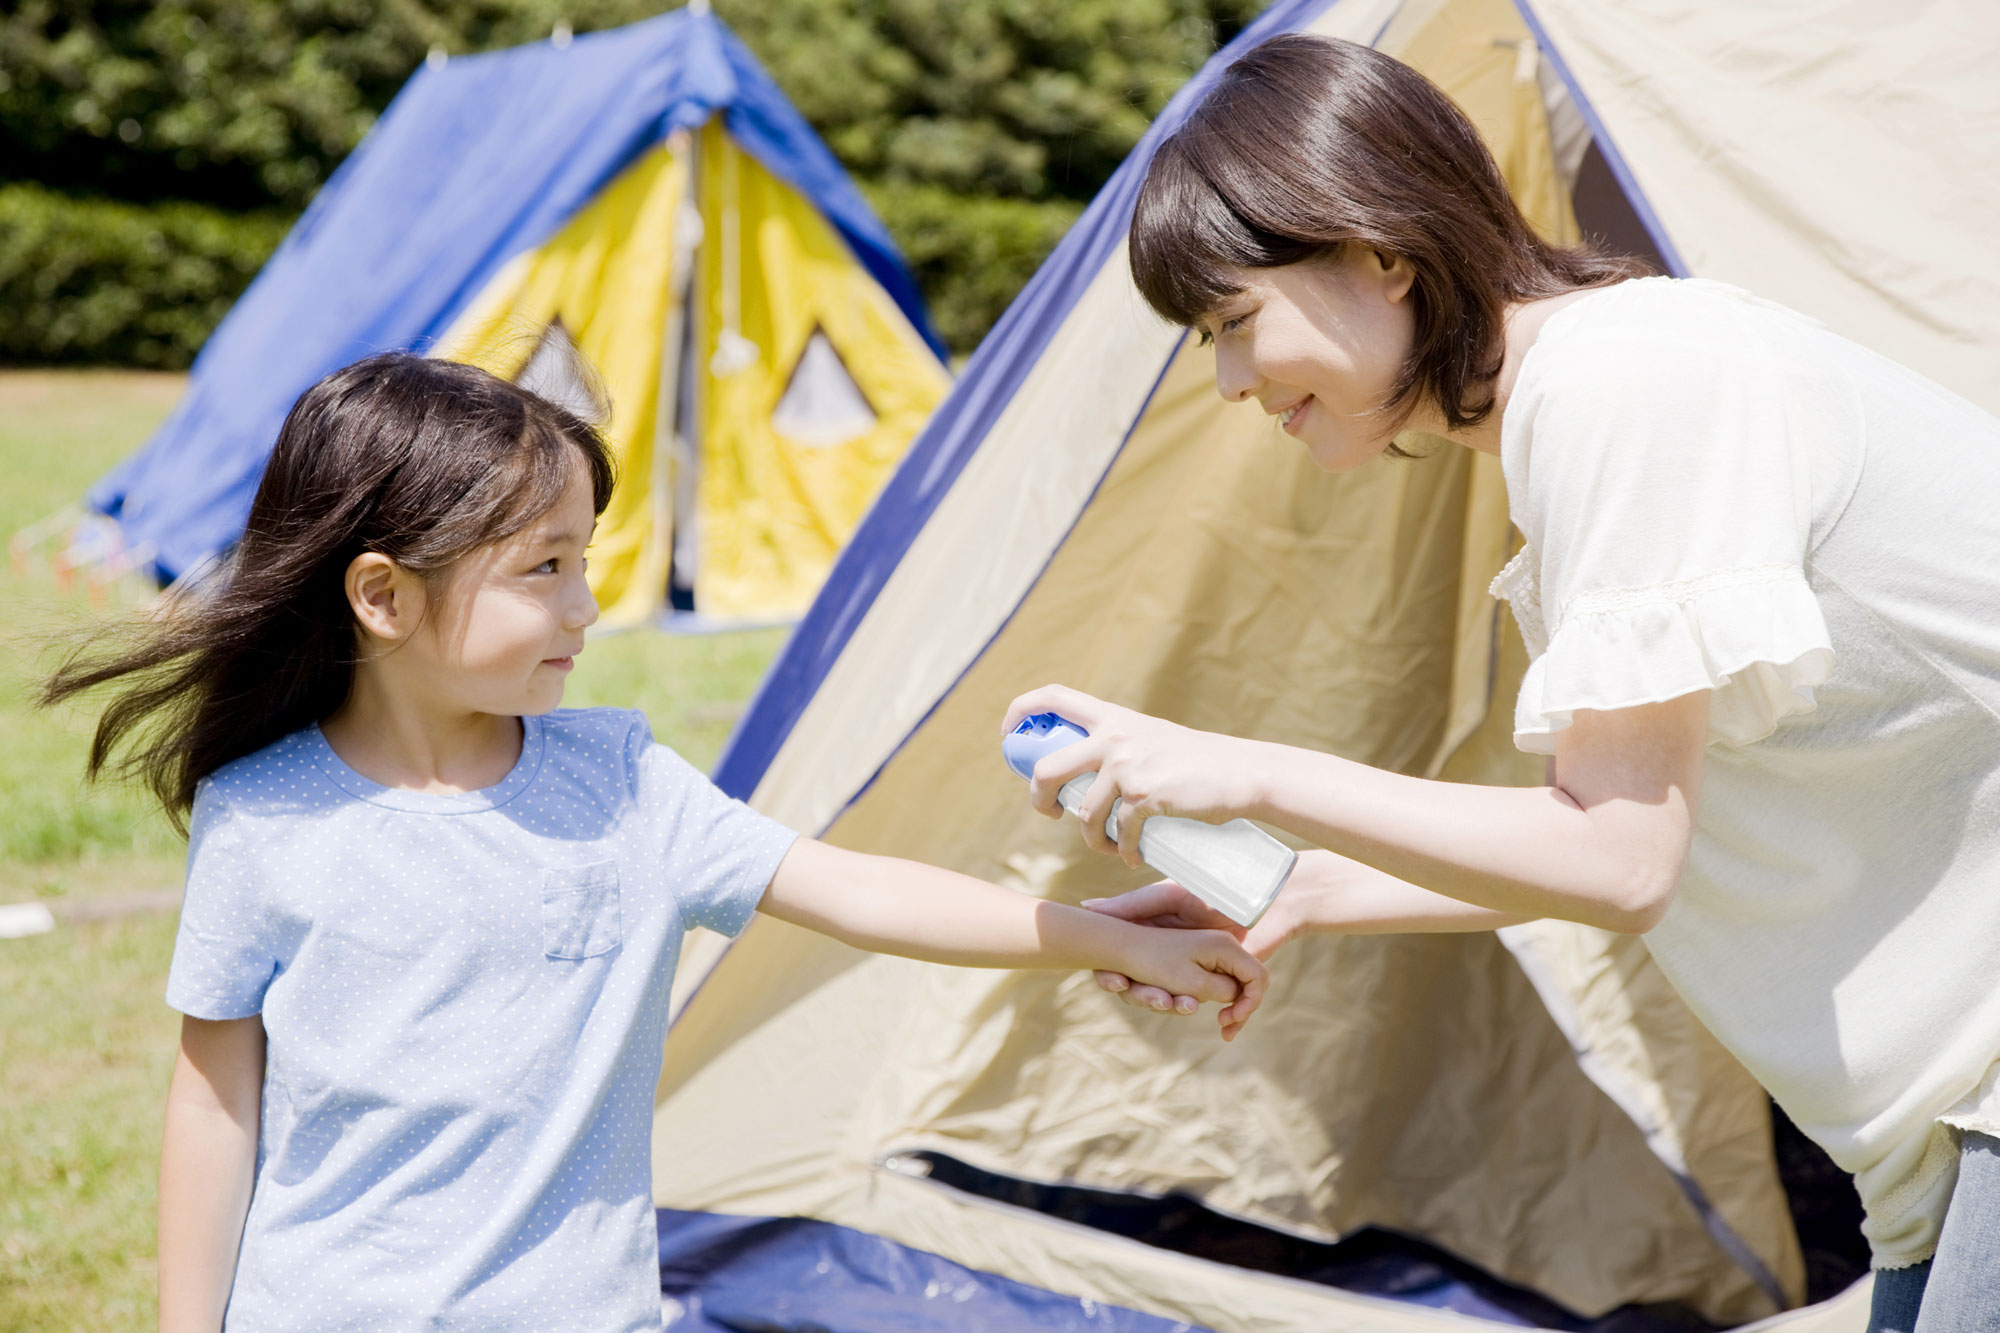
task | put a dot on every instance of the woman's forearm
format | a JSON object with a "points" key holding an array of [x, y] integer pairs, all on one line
{"points": [[208, 1156], [1605, 848], [1331, 893]]}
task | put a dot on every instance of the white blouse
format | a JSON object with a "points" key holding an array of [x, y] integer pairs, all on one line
{"points": [[1720, 494]]}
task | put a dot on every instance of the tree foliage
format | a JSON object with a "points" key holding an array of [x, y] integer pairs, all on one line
{"points": [[97, 280], [977, 127]]}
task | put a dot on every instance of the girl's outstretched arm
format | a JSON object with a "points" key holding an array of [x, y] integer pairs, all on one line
{"points": [[208, 1157], [888, 905]]}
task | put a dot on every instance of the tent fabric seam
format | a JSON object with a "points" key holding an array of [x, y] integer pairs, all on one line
{"points": [[1110, 463], [1608, 147], [824, 632], [973, 661], [1718, 1227]]}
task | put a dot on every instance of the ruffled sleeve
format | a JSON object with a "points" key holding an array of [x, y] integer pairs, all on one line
{"points": [[1667, 502]]}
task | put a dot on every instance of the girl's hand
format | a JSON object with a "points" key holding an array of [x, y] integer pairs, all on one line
{"points": [[1168, 906], [1153, 767], [1203, 964]]}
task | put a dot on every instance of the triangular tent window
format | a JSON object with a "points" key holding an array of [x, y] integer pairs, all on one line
{"points": [[822, 405], [560, 373]]}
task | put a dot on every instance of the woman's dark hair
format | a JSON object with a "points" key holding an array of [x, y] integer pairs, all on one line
{"points": [[1307, 145], [421, 460]]}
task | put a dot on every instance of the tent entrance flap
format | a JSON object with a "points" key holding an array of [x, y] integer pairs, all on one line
{"points": [[1372, 1261]]}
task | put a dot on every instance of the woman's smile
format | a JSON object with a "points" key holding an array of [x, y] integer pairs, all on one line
{"points": [[1291, 417]]}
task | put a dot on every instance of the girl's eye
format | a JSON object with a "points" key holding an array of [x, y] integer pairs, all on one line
{"points": [[546, 567]]}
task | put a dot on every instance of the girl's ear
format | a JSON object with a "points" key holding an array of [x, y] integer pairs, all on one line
{"points": [[387, 600]]}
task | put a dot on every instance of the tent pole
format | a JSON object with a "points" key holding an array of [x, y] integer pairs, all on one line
{"points": [[668, 446]]}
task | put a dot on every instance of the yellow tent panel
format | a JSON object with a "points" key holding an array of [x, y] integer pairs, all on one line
{"points": [[755, 383], [778, 287], [605, 281]]}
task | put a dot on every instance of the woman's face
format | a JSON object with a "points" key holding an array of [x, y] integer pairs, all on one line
{"points": [[1319, 345]]}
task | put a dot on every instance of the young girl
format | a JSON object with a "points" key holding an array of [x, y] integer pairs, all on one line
{"points": [[430, 923], [1759, 590]]}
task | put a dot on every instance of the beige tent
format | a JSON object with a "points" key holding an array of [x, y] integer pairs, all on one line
{"points": [[1086, 509]]}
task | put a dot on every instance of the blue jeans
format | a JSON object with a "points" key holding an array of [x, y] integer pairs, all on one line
{"points": [[1957, 1290]]}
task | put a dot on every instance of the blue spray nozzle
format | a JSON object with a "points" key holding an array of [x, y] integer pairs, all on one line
{"points": [[1039, 734]]}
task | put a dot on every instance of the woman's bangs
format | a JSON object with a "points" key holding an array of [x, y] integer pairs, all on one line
{"points": [[1186, 241]]}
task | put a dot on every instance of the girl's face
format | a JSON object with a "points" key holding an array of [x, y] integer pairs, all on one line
{"points": [[510, 617], [1319, 346]]}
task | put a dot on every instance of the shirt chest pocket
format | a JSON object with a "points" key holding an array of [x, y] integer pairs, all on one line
{"points": [[580, 916]]}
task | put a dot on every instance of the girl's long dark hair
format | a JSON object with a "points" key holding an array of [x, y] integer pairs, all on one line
{"points": [[1308, 144], [420, 460]]}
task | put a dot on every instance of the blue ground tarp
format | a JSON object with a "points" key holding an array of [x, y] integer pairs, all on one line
{"points": [[723, 1274]]}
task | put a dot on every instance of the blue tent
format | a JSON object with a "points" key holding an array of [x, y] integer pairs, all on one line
{"points": [[479, 159]]}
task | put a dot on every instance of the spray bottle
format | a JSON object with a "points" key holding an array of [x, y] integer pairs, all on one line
{"points": [[1236, 868]]}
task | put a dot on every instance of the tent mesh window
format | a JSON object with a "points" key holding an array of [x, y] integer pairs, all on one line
{"points": [[822, 406]]}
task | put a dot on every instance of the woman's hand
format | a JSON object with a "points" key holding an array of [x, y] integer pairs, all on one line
{"points": [[1203, 964], [1148, 765], [1168, 906]]}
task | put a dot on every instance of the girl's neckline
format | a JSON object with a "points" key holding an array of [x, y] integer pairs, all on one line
{"points": [[353, 783]]}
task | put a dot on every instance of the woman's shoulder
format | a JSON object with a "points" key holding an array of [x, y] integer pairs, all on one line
{"points": [[1666, 322], [1673, 359]]}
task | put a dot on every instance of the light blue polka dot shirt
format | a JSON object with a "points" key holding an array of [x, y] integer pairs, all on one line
{"points": [[464, 999]]}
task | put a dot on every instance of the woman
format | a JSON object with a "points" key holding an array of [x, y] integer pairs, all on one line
{"points": [[1759, 590]]}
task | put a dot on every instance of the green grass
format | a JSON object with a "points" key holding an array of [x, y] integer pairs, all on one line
{"points": [[59, 433], [87, 1046], [86, 1043]]}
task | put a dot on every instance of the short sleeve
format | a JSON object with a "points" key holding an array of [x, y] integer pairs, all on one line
{"points": [[1663, 486], [223, 960], [719, 854]]}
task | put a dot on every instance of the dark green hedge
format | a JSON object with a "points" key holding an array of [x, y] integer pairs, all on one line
{"points": [[90, 280], [971, 254], [979, 128], [99, 282]]}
